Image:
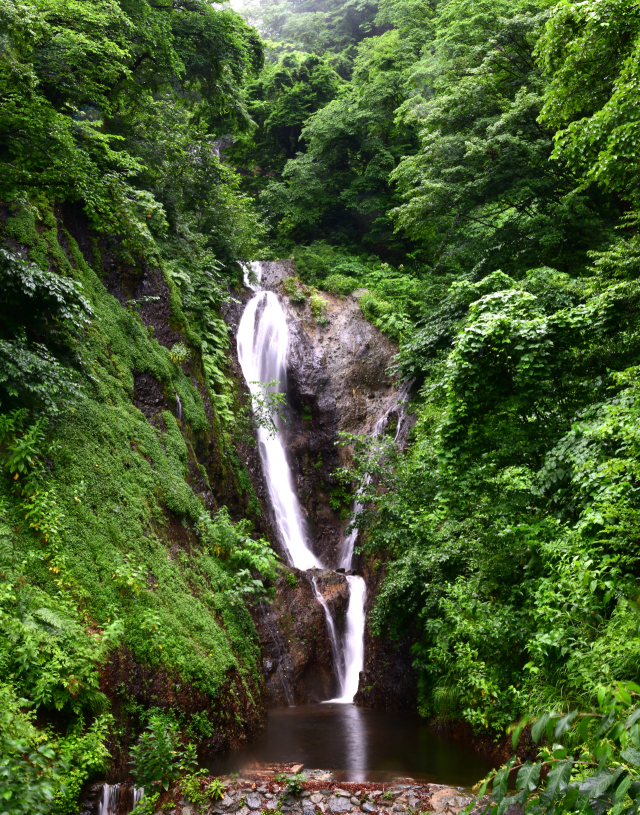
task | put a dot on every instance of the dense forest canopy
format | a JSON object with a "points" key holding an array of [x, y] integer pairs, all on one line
{"points": [[470, 168]]}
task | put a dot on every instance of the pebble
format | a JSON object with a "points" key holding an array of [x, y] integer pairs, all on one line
{"points": [[369, 807], [317, 798], [355, 801], [339, 804], [271, 804]]}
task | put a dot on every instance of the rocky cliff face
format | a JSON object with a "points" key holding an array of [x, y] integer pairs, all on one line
{"points": [[337, 380]]}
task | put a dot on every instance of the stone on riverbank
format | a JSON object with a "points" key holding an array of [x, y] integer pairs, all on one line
{"points": [[257, 791]]}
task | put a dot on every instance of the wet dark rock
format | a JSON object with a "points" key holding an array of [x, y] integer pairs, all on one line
{"points": [[296, 645]]}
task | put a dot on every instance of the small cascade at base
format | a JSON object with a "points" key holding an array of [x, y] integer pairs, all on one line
{"points": [[262, 343], [119, 799]]}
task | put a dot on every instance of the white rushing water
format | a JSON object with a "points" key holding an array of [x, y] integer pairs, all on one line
{"points": [[262, 341], [353, 645], [262, 351], [119, 798]]}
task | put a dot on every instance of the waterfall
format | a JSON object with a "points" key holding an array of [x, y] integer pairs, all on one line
{"points": [[338, 660], [348, 545], [353, 649], [262, 350], [113, 802], [262, 343], [109, 799]]}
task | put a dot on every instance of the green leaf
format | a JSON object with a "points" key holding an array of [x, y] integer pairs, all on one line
{"points": [[564, 724], [557, 782], [539, 726], [515, 738], [631, 755], [527, 781], [597, 784]]}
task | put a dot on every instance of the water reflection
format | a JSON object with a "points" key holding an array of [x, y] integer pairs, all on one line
{"points": [[359, 744]]}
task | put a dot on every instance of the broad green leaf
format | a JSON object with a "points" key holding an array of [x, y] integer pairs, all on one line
{"points": [[631, 756], [564, 724], [527, 781], [557, 782], [539, 726]]}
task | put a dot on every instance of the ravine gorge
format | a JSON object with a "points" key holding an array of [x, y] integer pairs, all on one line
{"points": [[319, 387]]}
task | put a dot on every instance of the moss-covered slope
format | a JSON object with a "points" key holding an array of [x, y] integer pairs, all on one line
{"points": [[115, 579]]}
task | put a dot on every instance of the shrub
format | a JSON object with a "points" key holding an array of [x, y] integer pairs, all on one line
{"points": [[339, 284], [179, 353], [157, 758], [296, 294], [317, 304]]}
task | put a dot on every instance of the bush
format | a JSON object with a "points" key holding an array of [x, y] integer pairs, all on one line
{"points": [[339, 284], [314, 262], [294, 291], [317, 304], [29, 774], [157, 758]]}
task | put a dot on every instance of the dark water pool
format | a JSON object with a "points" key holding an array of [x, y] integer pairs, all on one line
{"points": [[359, 745]]}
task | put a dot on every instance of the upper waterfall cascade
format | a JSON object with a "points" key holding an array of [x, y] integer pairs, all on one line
{"points": [[262, 343]]}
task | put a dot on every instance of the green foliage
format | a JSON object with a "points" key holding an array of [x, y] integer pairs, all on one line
{"points": [[179, 353], [157, 758], [198, 790], [292, 783], [79, 78], [339, 284], [596, 772], [147, 804], [30, 771], [83, 753], [280, 100], [317, 304], [217, 789], [41, 315], [296, 293]]}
